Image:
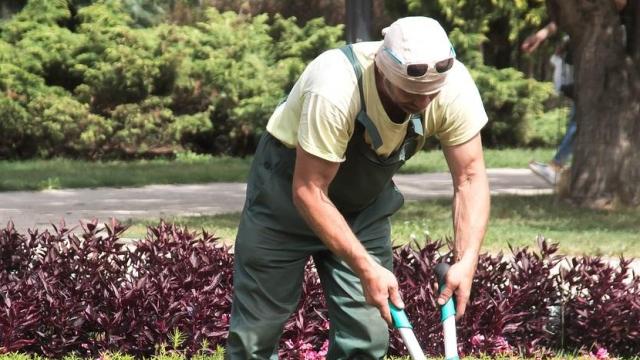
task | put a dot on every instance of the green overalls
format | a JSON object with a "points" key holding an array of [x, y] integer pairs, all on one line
{"points": [[274, 243]]}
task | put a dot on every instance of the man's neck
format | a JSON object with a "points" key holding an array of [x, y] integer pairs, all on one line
{"points": [[393, 111]]}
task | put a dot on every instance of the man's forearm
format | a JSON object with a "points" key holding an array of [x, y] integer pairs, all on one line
{"points": [[330, 226], [470, 215]]}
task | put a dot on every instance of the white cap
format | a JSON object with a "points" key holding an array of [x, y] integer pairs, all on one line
{"points": [[414, 40]]}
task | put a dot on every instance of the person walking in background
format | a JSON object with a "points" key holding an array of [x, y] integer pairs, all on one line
{"points": [[564, 83], [321, 186]]}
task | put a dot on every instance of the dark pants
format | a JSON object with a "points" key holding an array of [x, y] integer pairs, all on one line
{"points": [[272, 247]]}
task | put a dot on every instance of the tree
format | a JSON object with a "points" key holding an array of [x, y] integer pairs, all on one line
{"points": [[10, 7], [606, 166]]}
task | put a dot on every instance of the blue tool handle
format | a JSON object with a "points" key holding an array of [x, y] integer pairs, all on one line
{"points": [[448, 309], [400, 319]]}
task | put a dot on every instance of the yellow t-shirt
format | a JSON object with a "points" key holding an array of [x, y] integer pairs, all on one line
{"points": [[321, 109]]}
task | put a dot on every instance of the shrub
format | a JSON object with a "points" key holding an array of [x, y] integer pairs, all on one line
{"points": [[142, 128], [35, 14], [14, 117], [64, 293], [227, 69], [62, 125], [512, 103], [20, 85], [548, 129], [93, 291], [601, 305], [49, 52], [511, 308], [48, 125]]}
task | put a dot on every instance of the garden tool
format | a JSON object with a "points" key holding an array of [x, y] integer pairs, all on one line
{"points": [[401, 322], [447, 317]]}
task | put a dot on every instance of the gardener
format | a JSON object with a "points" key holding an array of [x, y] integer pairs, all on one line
{"points": [[320, 186]]}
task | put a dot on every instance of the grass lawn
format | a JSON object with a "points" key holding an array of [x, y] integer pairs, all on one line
{"points": [[514, 220], [192, 169], [64, 173]]}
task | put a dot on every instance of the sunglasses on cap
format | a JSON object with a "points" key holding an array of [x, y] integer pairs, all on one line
{"points": [[418, 70]]}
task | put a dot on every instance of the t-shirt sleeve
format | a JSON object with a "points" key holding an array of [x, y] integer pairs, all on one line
{"points": [[324, 129], [463, 117]]}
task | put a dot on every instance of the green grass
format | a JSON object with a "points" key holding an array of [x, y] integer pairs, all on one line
{"points": [[433, 161], [514, 220], [519, 220], [64, 173], [192, 169]]}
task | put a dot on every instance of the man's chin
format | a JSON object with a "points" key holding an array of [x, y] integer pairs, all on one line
{"points": [[412, 110]]}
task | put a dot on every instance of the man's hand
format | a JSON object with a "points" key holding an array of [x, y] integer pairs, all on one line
{"points": [[380, 286], [459, 280]]}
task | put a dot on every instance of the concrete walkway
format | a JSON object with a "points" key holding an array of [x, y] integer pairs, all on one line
{"points": [[38, 209]]}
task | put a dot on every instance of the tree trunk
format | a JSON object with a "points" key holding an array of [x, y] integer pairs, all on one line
{"points": [[359, 19], [606, 163]]}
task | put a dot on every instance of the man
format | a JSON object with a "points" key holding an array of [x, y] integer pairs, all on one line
{"points": [[320, 186]]}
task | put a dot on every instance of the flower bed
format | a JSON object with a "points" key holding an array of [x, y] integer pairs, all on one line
{"points": [[91, 292]]}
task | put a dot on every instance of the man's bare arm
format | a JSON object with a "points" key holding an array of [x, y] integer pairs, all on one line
{"points": [[471, 203], [311, 179]]}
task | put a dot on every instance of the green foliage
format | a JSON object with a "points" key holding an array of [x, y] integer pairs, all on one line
{"points": [[19, 84], [512, 102], [127, 87], [294, 47], [97, 83], [14, 117], [141, 128], [36, 13], [468, 47], [548, 129], [62, 125], [53, 62], [103, 15]]}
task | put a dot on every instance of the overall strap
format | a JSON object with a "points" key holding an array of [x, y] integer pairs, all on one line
{"points": [[416, 122], [348, 52], [408, 148], [362, 117]]}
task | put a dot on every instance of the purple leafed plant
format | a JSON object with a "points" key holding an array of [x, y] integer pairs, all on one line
{"points": [[601, 306], [91, 292]]}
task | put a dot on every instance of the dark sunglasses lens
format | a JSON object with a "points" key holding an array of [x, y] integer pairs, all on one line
{"points": [[416, 70], [444, 65]]}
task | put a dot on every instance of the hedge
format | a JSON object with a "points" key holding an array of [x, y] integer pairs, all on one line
{"points": [[93, 83], [91, 291]]}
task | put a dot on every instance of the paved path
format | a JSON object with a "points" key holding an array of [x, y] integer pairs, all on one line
{"points": [[38, 209]]}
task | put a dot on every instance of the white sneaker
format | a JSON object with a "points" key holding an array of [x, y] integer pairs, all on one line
{"points": [[548, 173]]}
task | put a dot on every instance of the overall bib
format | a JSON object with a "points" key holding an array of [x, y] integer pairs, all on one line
{"points": [[274, 244]]}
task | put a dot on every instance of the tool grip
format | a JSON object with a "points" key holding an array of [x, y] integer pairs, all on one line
{"points": [[448, 309], [447, 316], [401, 322], [399, 317]]}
